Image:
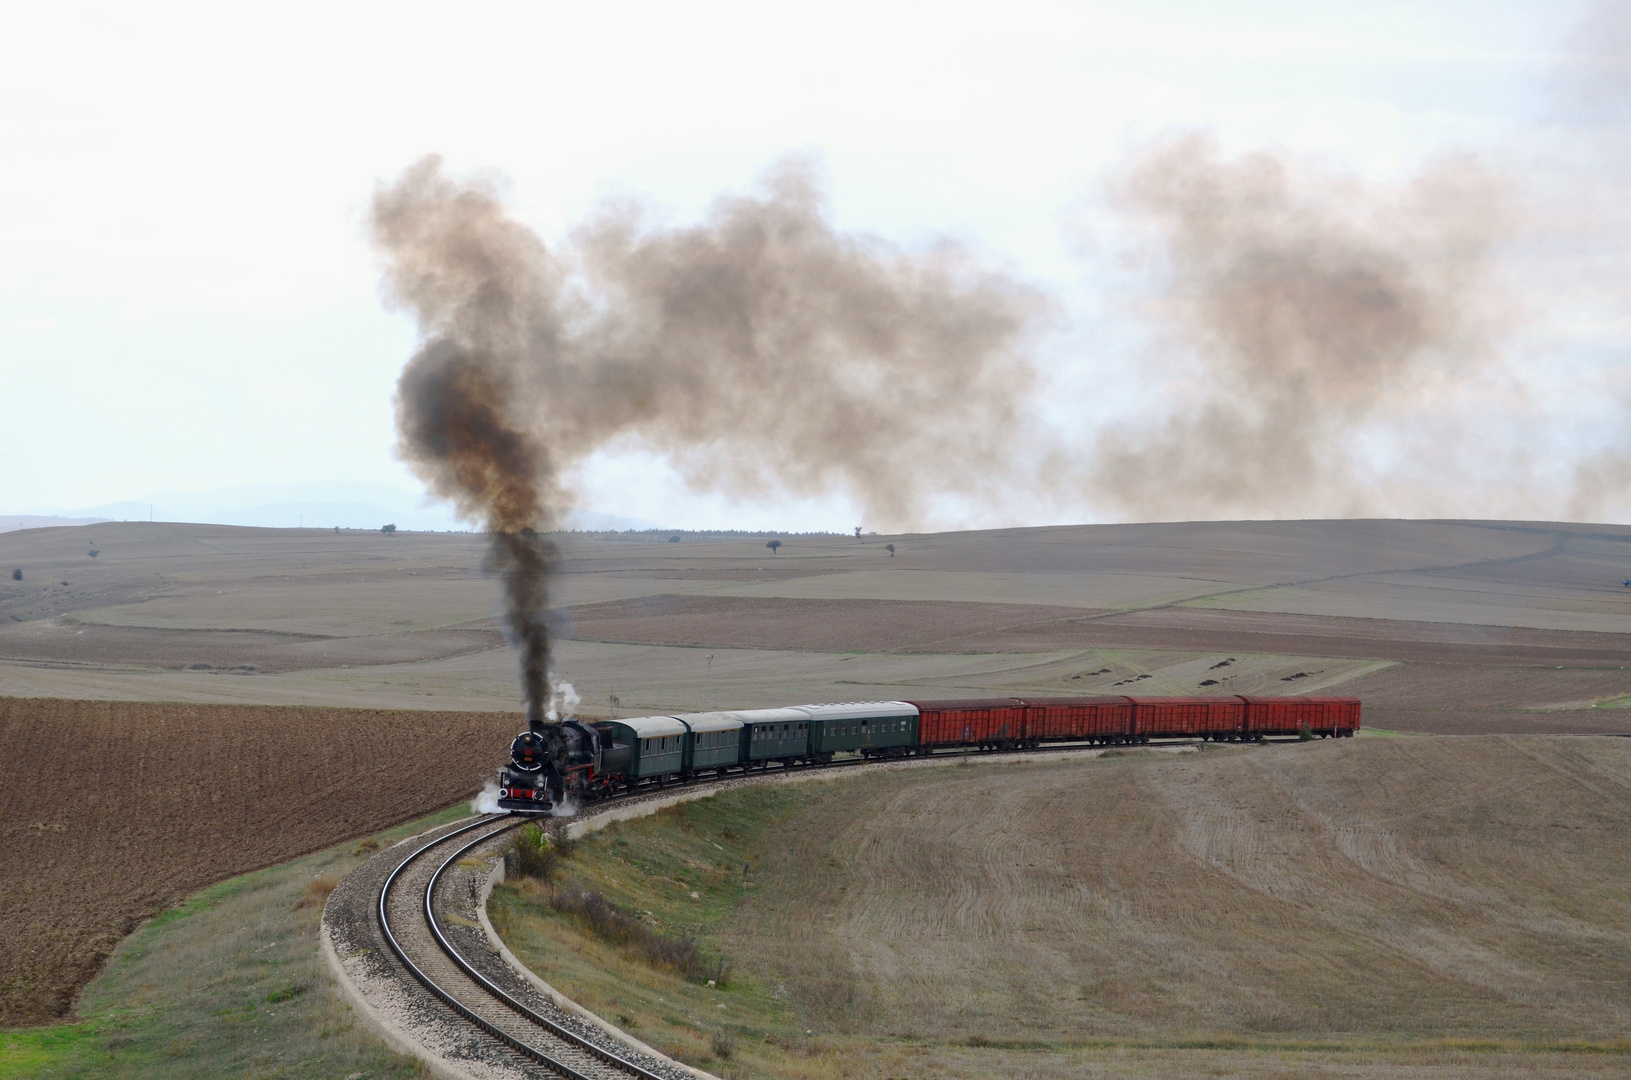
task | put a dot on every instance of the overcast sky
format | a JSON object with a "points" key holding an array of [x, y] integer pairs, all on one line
{"points": [[187, 300]]}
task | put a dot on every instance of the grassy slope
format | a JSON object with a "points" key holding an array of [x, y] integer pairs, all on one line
{"points": [[228, 984], [1264, 912]]}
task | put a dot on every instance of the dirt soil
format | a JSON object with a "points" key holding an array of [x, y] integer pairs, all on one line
{"points": [[112, 811]]}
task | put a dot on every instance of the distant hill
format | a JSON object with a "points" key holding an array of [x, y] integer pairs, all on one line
{"points": [[13, 522], [285, 506]]}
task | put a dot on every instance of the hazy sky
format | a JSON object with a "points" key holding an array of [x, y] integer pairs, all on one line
{"points": [[187, 300]]}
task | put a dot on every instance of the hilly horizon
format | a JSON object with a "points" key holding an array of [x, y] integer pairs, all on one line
{"points": [[308, 504]]}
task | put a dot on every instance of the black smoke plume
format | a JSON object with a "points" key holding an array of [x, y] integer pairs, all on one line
{"points": [[761, 349]]}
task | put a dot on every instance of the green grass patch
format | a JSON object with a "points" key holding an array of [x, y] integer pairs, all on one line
{"points": [[228, 983], [678, 877]]}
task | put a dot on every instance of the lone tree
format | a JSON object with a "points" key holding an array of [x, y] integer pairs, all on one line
{"points": [[388, 529], [891, 549], [857, 532], [17, 575], [773, 546]]}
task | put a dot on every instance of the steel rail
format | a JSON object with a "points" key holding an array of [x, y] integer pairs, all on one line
{"points": [[430, 984], [488, 985]]}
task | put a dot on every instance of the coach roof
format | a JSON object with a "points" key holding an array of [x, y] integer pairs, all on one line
{"points": [[858, 710], [770, 716], [653, 727], [710, 721]]}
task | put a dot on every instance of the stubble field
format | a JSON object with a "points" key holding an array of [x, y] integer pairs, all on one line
{"points": [[1373, 908]]}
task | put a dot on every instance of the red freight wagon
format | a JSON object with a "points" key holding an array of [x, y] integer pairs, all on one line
{"points": [[973, 722], [1097, 718], [1169, 717], [1326, 716]]}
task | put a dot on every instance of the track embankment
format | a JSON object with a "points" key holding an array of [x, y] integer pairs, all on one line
{"points": [[415, 954]]}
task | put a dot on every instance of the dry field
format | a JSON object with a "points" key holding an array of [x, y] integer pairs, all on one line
{"points": [[1389, 887], [1448, 627], [110, 812], [1373, 908], [389, 643]]}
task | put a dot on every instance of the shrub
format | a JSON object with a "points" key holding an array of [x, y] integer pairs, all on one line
{"points": [[604, 920], [723, 1045], [17, 575], [317, 892], [535, 855], [1306, 734]]}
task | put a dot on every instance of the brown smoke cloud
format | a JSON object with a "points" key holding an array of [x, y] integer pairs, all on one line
{"points": [[1295, 304], [1592, 111], [761, 349]]}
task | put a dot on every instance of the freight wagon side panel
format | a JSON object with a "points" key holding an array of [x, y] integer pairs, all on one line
{"points": [[965, 723], [1165, 718], [1284, 716], [1078, 719]]}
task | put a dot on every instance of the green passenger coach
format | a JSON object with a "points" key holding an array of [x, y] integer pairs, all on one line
{"points": [[713, 741], [657, 744], [774, 735], [868, 728]]}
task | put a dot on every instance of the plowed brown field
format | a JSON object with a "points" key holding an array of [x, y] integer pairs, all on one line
{"points": [[112, 811]]}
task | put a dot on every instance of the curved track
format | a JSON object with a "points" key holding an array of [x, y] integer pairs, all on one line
{"points": [[410, 913], [424, 900]]}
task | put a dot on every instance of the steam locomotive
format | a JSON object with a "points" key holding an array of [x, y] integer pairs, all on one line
{"points": [[573, 762]]}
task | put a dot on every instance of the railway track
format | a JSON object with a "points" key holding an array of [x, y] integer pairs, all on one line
{"points": [[418, 901], [405, 932]]}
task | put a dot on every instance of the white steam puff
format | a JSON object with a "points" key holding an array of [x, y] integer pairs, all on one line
{"points": [[563, 698], [487, 801]]}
